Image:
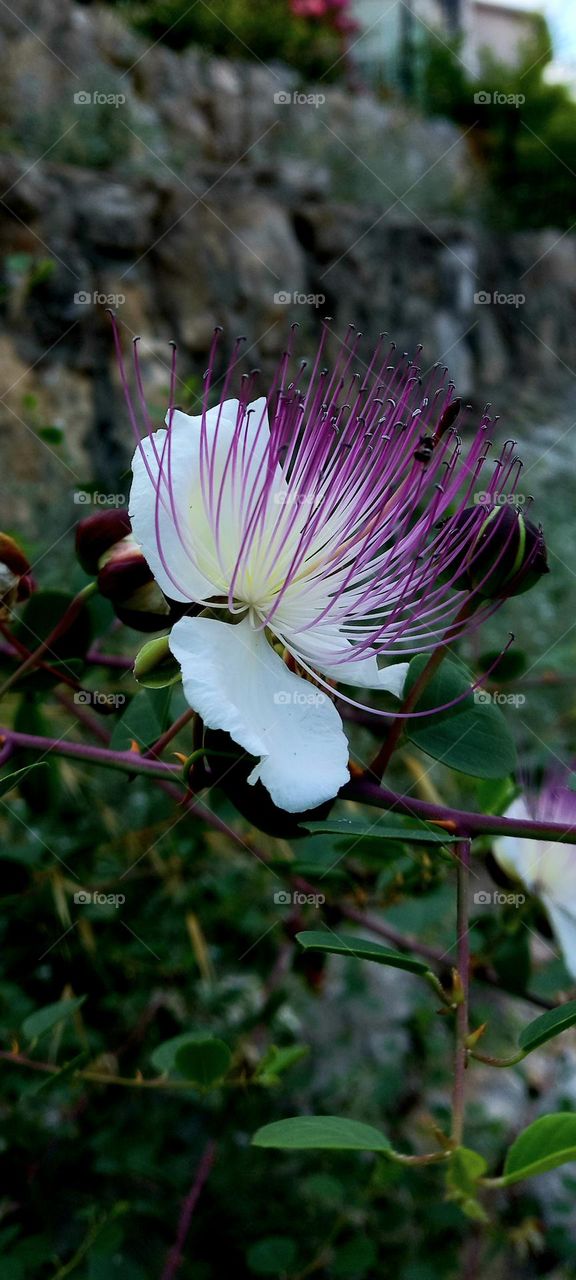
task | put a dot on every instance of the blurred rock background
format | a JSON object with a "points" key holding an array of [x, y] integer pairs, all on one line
{"points": [[184, 188]]}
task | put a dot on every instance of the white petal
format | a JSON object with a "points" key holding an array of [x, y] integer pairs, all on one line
{"points": [[193, 552], [171, 562], [236, 682], [367, 674], [518, 856], [563, 921], [362, 672]]}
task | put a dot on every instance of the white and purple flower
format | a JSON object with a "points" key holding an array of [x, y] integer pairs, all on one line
{"points": [[323, 531], [546, 869]]}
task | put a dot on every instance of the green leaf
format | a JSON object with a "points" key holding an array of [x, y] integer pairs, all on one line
{"points": [[143, 721], [51, 434], [419, 833], [544, 1145], [361, 948], [203, 1061], [321, 1133], [12, 779], [471, 736], [465, 1169], [272, 1256], [155, 667], [44, 1019], [355, 1258], [276, 1061], [548, 1025], [195, 1055]]}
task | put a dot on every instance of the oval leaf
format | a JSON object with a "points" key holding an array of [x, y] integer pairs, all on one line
{"points": [[165, 1057], [361, 948], [272, 1256], [415, 833], [471, 736], [321, 1133], [203, 1061], [548, 1025], [44, 1019], [544, 1145]]}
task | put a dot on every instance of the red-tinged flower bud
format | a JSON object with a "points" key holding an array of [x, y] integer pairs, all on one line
{"points": [[16, 581], [97, 534], [125, 579], [503, 553], [106, 548]]}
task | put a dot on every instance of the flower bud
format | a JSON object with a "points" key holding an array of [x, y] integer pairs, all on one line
{"points": [[154, 666], [106, 548], [503, 553], [125, 579], [97, 534], [16, 581]]}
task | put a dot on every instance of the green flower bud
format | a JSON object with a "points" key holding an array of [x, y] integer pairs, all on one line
{"points": [[503, 553]]}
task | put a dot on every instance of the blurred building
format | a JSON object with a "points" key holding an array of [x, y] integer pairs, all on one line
{"points": [[388, 52]]}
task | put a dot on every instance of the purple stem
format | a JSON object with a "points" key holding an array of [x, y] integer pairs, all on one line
{"points": [[128, 761], [463, 953], [93, 656], [175, 1258], [460, 821]]}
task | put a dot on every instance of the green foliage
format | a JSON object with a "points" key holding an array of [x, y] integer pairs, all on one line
{"points": [[361, 948], [525, 137], [240, 29], [470, 736], [547, 1026], [321, 1133], [546, 1144]]}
